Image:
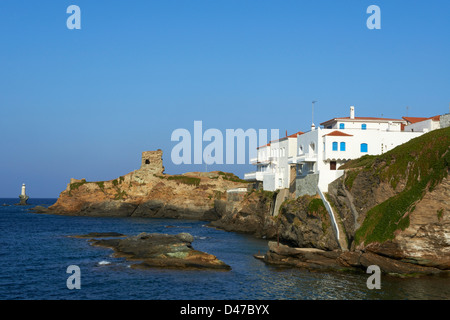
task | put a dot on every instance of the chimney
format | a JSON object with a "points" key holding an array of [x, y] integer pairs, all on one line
{"points": [[352, 112]]}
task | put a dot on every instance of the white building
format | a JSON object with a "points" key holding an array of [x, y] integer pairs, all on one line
{"points": [[316, 155], [415, 124], [272, 163]]}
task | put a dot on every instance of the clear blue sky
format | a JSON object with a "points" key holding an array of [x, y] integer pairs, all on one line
{"points": [[85, 103]]}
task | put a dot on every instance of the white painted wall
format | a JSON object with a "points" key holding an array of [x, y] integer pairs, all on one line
{"points": [[370, 125], [423, 126]]}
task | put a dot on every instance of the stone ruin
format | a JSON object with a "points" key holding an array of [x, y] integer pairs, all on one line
{"points": [[152, 162]]}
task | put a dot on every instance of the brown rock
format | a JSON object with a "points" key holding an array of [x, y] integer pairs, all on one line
{"points": [[162, 251], [388, 265], [148, 192]]}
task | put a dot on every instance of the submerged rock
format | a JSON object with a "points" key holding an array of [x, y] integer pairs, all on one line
{"points": [[99, 235], [39, 209], [155, 250]]}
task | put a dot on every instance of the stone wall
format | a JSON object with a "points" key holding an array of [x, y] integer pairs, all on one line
{"points": [[152, 161], [306, 185], [445, 120]]}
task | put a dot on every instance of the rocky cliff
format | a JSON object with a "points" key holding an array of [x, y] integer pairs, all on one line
{"points": [[394, 210], [148, 192], [397, 205], [301, 222]]}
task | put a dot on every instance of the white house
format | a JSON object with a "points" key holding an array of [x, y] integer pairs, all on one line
{"points": [[272, 165], [310, 161], [415, 124], [313, 158]]}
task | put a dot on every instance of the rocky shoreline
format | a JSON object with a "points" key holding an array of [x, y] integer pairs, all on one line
{"points": [[317, 259], [387, 215]]}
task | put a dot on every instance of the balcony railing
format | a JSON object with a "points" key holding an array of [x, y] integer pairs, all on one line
{"points": [[252, 176]]}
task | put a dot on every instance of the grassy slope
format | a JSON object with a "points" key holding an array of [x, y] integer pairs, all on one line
{"points": [[422, 163]]}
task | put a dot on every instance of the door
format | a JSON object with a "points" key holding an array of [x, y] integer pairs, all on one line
{"points": [[332, 165]]}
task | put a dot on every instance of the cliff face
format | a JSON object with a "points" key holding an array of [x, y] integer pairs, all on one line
{"points": [[302, 222], [248, 212], [397, 206], [305, 223], [394, 210], [148, 192]]}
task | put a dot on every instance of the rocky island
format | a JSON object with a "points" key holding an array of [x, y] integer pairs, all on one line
{"points": [[148, 192], [153, 250]]}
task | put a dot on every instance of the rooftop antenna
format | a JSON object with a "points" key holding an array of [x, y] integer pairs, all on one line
{"points": [[312, 122], [407, 108]]}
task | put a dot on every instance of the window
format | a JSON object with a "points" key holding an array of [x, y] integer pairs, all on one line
{"points": [[364, 147], [335, 146], [341, 126], [364, 126], [342, 146]]}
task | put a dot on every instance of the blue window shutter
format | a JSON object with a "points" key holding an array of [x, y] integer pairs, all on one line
{"points": [[342, 146], [334, 146], [364, 147], [364, 126], [341, 126]]}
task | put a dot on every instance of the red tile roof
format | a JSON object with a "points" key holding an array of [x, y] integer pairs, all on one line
{"points": [[338, 134], [420, 119], [435, 118], [266, 145], [414, 119], [281, 139]]}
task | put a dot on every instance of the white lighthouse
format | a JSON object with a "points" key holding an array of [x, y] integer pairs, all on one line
{"points": [[23, 197]]}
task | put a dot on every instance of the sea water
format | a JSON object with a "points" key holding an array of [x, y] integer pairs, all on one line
{"points": [[37, 249]]}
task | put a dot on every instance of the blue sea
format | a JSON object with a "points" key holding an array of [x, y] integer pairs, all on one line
{"points": [[36, 250]]}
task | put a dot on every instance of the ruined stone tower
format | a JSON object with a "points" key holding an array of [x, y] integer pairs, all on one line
{"points": [[152, 161]]}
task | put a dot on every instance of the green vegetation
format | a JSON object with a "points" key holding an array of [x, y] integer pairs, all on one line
{"points": [[101, 185], [421, 163], [350, 178], [116, 182], [218, 194], [120, 195], [190, 181], [440, 213], [76, 185], [231, 177], [315, 205]]}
